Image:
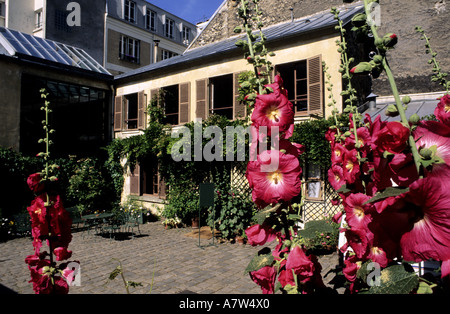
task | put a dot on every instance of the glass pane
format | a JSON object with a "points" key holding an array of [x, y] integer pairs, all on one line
{"points": [[313, 189]]}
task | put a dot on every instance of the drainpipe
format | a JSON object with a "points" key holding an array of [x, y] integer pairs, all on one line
{"points": [[155, 50], [292, 14]]}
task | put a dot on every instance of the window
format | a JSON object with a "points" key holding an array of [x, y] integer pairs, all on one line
{"points": [[314, 182], [129, 49], [221, 96], [38, 15], [130, 112], [185, 34], [175, 100], [166, 54], [146, 181], [150, 20], [2, 9], [304, 83], [169, 28], [129, 12]]}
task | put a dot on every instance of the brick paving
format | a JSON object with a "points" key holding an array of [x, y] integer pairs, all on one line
{"points": [[174, 262]]}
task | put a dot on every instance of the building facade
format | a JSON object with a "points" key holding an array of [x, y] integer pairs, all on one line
{"points": [[121, 35]]}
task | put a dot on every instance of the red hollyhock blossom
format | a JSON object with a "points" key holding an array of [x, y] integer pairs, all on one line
{"points": [[274, 109], [442, 111], [392, 137], [300, 263], [265, 278], [337, 153], [378, 255], [62, 253], [336, 177], [34, 183], [271, 185], [260, 234], [432, 134], [285, 276], [351, 166], [357, 214], [428, 212], [357, 239], [351, 267]]}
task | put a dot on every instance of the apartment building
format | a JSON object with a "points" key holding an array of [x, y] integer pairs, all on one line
{"points": [[121, 35]]}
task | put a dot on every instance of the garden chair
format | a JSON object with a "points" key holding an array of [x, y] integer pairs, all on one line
{"points": [[112, 226], [132, 221]]}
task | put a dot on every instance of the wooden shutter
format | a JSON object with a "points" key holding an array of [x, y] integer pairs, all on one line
{"points": [[184, 100], [239, 108], [315, 86], [202, 103], [118, 109], [142, 100], [135, 181], [155, 93]]}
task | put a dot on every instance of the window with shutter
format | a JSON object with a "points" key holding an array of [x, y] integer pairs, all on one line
{"points": [[118, 109], [135, 181], [315, 86], [304, 82], [239, 107], [184, 101], [142, 112], [201, 110], [221, 95]]}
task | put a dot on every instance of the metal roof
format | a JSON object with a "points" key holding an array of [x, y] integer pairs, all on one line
{"points": [[25, 46], [421, 107], [273, 33]]}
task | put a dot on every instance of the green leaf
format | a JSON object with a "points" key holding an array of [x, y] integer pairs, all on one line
{"points": [[115, 273], [425, 288], [388, 192], [314, 227], [260, 261], [396, 279]]}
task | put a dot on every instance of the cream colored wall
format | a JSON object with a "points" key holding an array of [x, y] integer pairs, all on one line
{"points": [[296, 51], [20, 15]]}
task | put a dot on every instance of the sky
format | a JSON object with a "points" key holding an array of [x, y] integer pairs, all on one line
{"points": [[193, 11]]}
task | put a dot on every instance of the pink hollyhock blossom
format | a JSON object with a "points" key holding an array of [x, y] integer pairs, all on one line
{"points": [[337, 218], [337, 153], [34, 183], [285, 276], [378, 255], [265, 278], [392, 137], [351, 166], [357, 214], [351, 268], [442, 111], [428, 210], [260, 234], [357, 239], [271, 185], [62, 253], [403, 169], [274, 110], [336, 177], [300, 263]]}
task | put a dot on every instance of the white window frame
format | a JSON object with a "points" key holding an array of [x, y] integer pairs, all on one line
{"points": [[129, 49], [38, 19], [186, 34], [150, 19], [129, 11], [169, 28]]}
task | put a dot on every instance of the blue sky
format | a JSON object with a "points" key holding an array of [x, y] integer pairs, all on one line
{"points": [[193, 11]]}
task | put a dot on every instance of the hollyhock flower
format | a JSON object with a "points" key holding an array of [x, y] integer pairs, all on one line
{"points": [[392, 137], [378, 255], [274, 177], [364, 139], [337, 153], [260, 234], [300, 263], [351, 267], [442, 111], [34, 183], [62, 253], [274, 110], [403, 169], [351, 166], [428, 210], [336, 177], [337, 218], [357, 214], [285, 276], [265, 278], [445, 268], [430, 135], [357, 240]]}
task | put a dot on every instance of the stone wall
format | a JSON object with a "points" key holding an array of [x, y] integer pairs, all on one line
{"points": [[408, 60]]}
